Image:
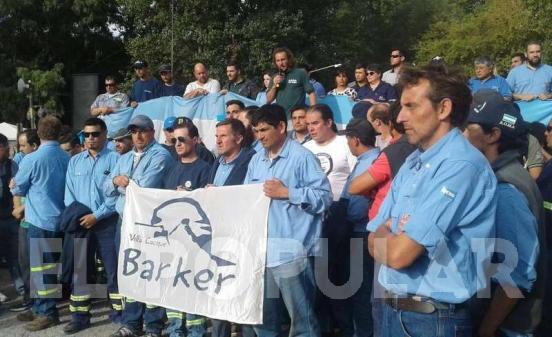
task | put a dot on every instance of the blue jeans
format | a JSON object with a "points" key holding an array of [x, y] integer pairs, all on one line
{"points": [[294, 284], [361, 300], [451, 322], [43, 271], [136, 313]]}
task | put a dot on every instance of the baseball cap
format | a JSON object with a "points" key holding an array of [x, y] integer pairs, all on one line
{"points": [[140, 64], [141, 122], [169, 123], [165, 68], [182, 121], [357, 127], [120, 134], [489, 108]]}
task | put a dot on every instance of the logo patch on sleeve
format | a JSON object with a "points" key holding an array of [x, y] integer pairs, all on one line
{"points": [[448, 193]]}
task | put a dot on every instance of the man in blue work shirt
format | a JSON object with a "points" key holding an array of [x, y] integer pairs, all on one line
{"points": [[86, 174], [496, 129], [442, 197], [146, 165], [41, 179], [145, 87], [228, 170], [301, 194], [485, 79], [531, 80], [361, 138], [169, 87]]}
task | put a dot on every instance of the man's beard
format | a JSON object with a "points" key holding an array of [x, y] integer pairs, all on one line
{"points": [[535, 62]]}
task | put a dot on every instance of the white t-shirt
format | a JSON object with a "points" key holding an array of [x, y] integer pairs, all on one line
{"points": [[336, 160], [212, 86], [390, 77]]}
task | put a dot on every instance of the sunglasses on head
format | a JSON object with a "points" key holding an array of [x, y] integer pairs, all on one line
{"points": [[94, 134], [180, 139]]}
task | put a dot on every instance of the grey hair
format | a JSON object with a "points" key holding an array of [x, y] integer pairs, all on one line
{"points": [[484, 60]]}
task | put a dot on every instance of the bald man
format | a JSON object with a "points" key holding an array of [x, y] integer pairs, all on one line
{"points": [[203, 85]]}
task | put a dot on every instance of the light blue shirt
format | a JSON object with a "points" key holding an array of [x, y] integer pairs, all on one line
{"points": [[18, 157], [495, 82], [442, 199], [223, 170], [154, 164], [85, 179], [294, 224], [524, 80], [41, 179], [357, 210], [516, 223]]}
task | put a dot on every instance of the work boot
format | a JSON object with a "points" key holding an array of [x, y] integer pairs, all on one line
{"points": [[41, 323], [26, 316], [74, 327]]}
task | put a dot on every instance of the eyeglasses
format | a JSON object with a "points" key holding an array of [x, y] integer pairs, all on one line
{"points": [[94, 134], [395, 56], [370, 73], [180, 139], [110, 84]]}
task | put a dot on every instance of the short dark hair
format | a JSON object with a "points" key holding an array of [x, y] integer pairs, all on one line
{"points": [[67, 135], [271, 114], [325, 112], [111, 78], [394, 110], [237, 102], [237, 127], [520, 55], [3, 140], [341, 71], [234, 64], [95, 121], [533, 42], [367, 138], [187, 123], [49, 128], [32, 136], [291, 58], [298, 107], [360, 66], [444, 83], [508, 141], [375, 67], [401, 52]]}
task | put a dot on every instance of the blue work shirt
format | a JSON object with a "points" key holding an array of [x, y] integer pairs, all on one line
{"points": [[294, 224], [18, 157], [154, 164], [383, 93], [494, 82], [41, 179], [145, 90], [357, 209], [171, 90], [516, 223], [86, 177], [442, 198], [528, 81], [223, 170]]}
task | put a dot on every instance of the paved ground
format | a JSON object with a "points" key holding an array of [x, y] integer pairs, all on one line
{"points": [[10, 327]]}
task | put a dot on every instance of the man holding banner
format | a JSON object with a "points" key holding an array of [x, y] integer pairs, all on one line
{"points": [[146, 165], [300, 194]]}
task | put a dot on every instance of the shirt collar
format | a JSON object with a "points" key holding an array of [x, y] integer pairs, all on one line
{"points": [[223, 161], [49, 143], [284, 151], [153, 142], [100, 154], [367, 153], [419, 157]]}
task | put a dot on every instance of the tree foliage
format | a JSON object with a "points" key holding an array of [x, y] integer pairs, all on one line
{"points": [[496, 28]]}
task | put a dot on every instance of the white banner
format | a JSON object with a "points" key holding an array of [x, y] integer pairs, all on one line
{"points": [[201, 252]]}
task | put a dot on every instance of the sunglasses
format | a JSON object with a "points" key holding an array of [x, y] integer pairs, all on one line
{"points": [[180, 140], [110, 84], [395, 56], [370, 73], [94, 134]]}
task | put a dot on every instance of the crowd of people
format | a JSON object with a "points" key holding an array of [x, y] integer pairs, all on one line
{"points": [[440, 179]]}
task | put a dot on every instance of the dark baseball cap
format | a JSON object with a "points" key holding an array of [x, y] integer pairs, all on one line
{"points": [[140, 122], [140, 64], [164, 68], [179, 121], [357, 127], [120, 134], [489, 108]]}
